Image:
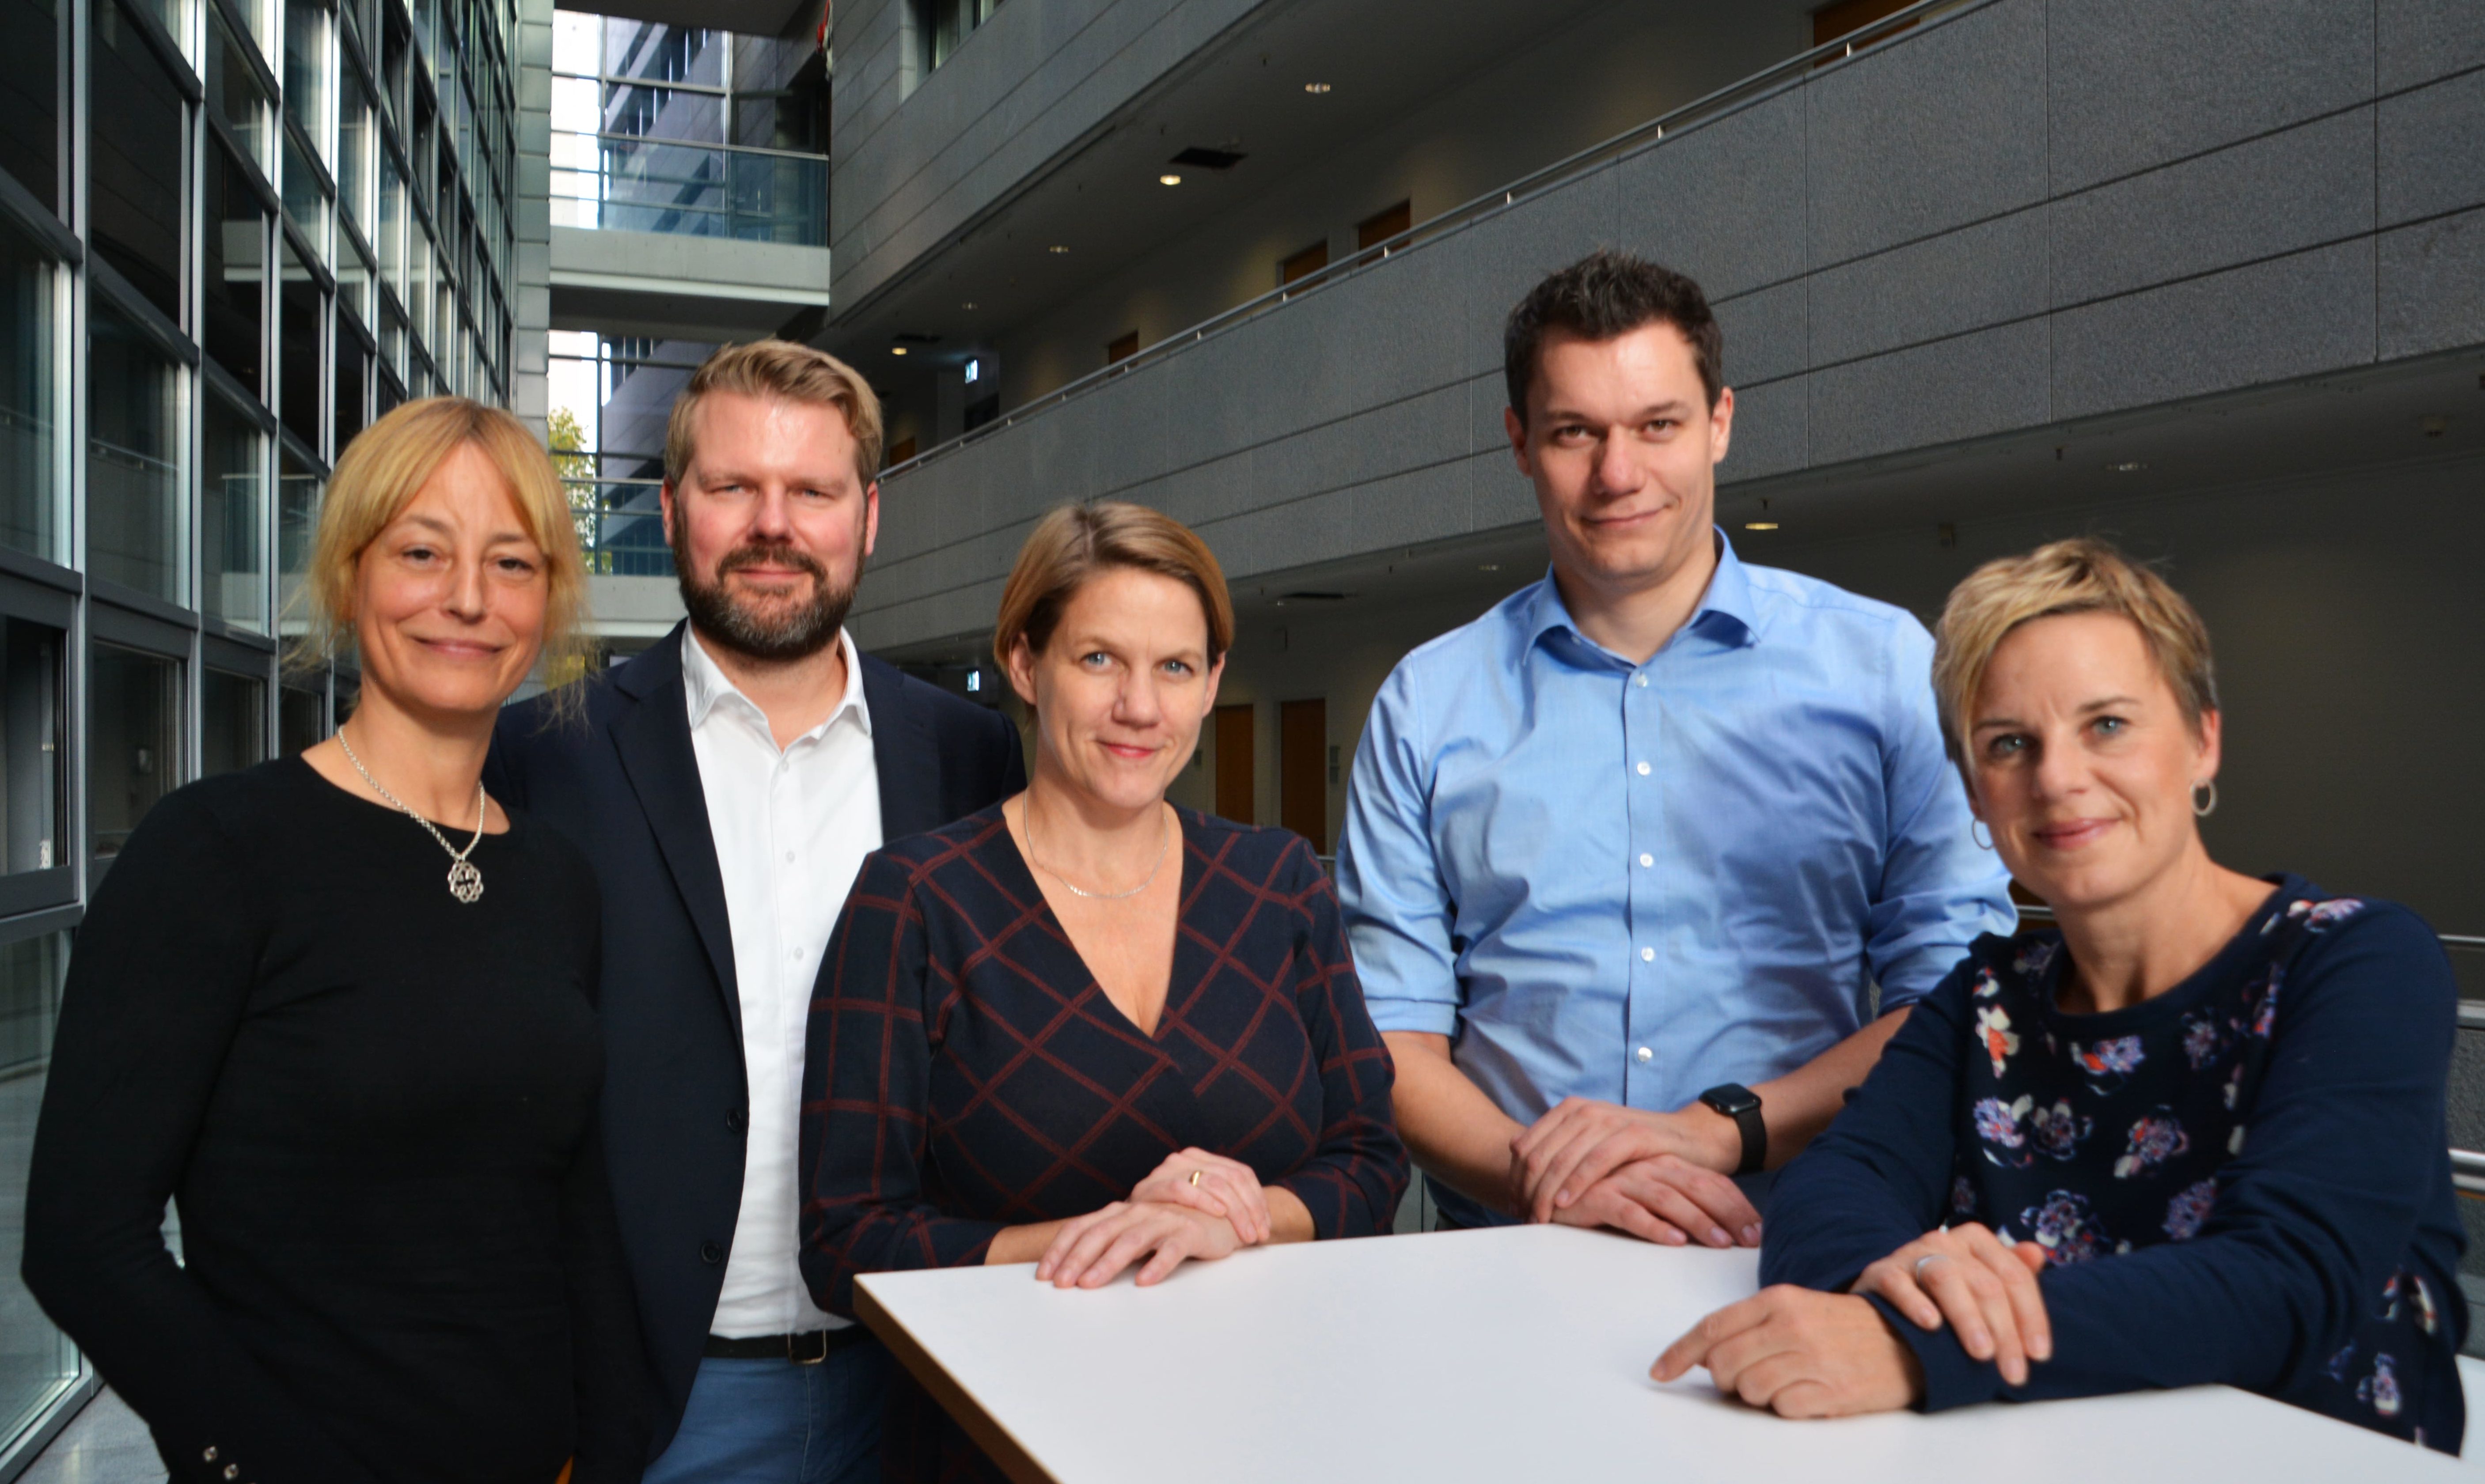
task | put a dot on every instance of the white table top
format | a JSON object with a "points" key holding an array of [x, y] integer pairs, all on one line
{"points": [[1515, 1353]]}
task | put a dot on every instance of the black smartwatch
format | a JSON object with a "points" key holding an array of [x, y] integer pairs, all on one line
{"points": [[1743, 1105]]}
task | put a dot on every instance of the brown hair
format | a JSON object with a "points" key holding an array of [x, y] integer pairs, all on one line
{"points": [[2081, 576], [778, 370], [1076, 542], [377, 477], [1604, 296]]}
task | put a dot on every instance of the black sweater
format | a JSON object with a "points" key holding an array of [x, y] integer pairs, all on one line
{"points": [[375, 1107], [2316, 1261]]}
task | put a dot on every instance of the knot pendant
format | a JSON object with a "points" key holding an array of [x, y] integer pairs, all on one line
{"points": [[465, 883]]}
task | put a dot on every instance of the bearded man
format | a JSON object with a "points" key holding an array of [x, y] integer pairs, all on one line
{"points": [[726, 784]]}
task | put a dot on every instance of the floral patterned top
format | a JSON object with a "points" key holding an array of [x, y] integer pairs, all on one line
{"points": [[2244, 1180]]}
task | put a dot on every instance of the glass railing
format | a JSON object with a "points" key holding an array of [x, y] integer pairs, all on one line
{"points": [[621, 524], [627, 182]]}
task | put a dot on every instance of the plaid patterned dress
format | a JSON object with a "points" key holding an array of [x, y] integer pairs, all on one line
{"points": [[965, 1072]]}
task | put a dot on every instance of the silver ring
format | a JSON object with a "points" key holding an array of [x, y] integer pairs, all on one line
{"points": [[1919, 1273]]}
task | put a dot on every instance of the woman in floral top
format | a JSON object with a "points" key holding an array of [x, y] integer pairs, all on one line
{"points": [[2193, 1136]]}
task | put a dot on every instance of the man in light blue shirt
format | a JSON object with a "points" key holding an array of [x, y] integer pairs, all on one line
{"points": [[1642, 867]]}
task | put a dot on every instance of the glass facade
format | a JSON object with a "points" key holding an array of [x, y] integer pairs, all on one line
{"points": [[231, 232]]}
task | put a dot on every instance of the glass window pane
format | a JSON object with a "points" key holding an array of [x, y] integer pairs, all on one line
{"points": [[234, 91], [30, 107], [297, 522], [35, 800], [236, 237], [38, 1360], [134, 172], [306, 70], [134, 752], [354, 276], [353, 150], [391, 341], [301, 719], [305, 206], [353, 374], [302, 348], [233, 714], [29, 501], [133, 465], [392, 237], [233, 536]]}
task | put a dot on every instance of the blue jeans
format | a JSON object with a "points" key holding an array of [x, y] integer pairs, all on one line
{"points": [[776, 1422]]}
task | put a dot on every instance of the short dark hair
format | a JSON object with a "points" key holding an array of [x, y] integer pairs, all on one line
{"points": [[1604, 296]]}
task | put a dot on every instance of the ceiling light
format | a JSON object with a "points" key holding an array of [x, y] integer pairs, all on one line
{"points": [[1168, 180], [1490, 566], [1057, 248], [1760, 525], [1314, 87], [897, 350], [969, 305], [2126, 467]]}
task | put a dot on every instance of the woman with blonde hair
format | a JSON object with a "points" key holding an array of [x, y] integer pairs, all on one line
{"points": [[2192, 1134], [1085, 1029], [336, 1007]]}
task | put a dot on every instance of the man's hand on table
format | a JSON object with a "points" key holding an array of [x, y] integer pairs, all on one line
{"points": [[1657, 1176], [1800, 1354]]}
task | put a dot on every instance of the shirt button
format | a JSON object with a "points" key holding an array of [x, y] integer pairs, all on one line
{"points": [[1648, 955], [789, 857], [1640, 681], [1645, 1056], [1643, 769], [711, 1253], [737, 1121], [1645, 859]]}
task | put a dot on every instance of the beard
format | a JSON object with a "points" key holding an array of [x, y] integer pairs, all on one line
{"points": [[776, 630]]}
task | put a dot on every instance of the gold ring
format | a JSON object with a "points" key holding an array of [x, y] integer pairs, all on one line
{"points": [[1194, 1177]]}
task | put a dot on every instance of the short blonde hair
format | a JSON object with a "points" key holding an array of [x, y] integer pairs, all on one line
{"points": [[379, 476], [1073, 543], [778, 370], [2080, 575]]}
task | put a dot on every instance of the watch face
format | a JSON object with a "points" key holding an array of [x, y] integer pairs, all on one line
{"points": [[1732, 1102]]}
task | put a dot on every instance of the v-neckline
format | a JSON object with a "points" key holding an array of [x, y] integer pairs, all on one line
{"points": [[1095, 982]]}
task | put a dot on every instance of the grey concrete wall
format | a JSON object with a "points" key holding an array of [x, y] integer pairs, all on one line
{"points": [[2025, 213], [1031, 81]]}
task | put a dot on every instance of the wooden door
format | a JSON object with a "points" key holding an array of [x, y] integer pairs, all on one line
{"points": [[1302, 770], [1234, 764]]}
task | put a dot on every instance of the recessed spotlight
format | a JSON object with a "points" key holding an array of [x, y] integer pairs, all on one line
{"points": [[969, 305], [1490, 566], [1314, 87], [897, 350], [1760, 525], [1058, 248], [2126, 467], [1168, 180]]}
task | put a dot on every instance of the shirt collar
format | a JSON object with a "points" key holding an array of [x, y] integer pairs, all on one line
{"points": [[1725, 612], [707, 687]]}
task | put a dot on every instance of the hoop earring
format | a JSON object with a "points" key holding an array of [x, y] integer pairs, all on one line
{"points": [[2209, 809], [1987, 841]]}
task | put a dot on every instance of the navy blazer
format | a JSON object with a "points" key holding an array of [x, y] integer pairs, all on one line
{"points": [[622, 782]]}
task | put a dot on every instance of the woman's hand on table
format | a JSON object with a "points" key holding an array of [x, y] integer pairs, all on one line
{"points": [[1987, 1290], [1800, 1354], [1213, 1184], [1090, 1251]]}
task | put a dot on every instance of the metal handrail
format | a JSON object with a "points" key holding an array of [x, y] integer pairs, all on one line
{"points": [[1535, 182], [690, 144]]}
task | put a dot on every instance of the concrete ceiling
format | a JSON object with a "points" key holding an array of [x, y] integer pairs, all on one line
{"points": [[1384, 60]]}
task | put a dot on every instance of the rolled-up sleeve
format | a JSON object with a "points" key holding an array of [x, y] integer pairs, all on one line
{"points": [[1939, 890], [1397, 908]]}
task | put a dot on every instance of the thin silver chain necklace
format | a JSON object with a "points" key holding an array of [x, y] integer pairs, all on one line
{"points": [[1164, 841], [465, 883]]}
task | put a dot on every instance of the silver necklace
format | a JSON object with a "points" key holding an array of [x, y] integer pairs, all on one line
{"points": [[1165, 840], [465, 883]]}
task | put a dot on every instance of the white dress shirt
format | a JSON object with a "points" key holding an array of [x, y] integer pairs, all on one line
{"points": [[791, 828]]}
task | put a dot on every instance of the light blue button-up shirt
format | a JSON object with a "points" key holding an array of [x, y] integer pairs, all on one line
{"points": [[1634, 882]]}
